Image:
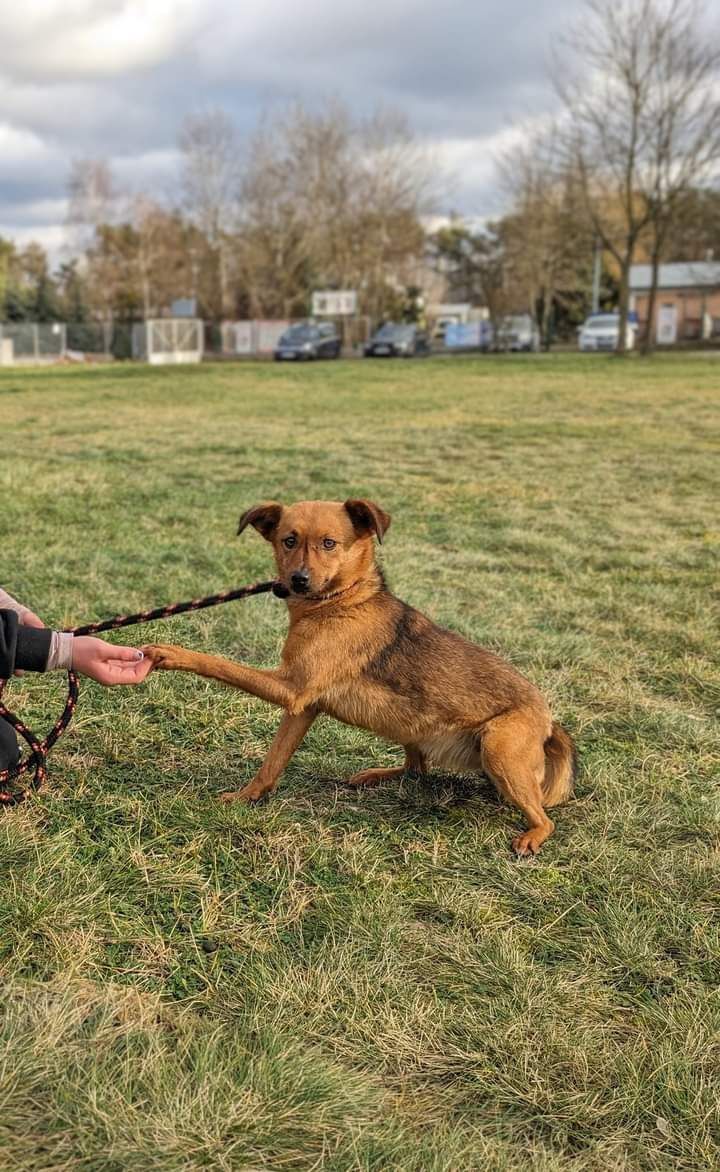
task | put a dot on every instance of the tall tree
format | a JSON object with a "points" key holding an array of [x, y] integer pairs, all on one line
{"points": [[331, 201], [210, 179], [681, 123], [93, 199], [641, 120], [546, 233], [474, 266]]}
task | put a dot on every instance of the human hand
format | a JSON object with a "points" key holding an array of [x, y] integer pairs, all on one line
{"points": [[28, 619], [107, 663]]}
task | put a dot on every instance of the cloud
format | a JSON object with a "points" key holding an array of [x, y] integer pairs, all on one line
{"points": [[114, 78], [92, 38]]}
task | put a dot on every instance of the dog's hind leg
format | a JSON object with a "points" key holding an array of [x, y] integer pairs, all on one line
{"points": [[290, 732], [514, 758], [414, 763]]}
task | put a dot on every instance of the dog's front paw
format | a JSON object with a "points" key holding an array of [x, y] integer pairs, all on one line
{"points": [[252, 792], [165, 656]]}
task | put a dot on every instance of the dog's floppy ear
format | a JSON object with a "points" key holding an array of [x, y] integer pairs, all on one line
{"points": [[263, 517], [367, 517]]}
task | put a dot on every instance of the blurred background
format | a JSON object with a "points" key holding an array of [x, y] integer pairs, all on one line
{"points": [[502, 176]]}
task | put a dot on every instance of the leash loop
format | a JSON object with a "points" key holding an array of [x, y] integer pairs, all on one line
{"points": [[37, 757]]}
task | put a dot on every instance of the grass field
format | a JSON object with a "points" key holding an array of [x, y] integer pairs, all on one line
{"points": [[368, 980]]}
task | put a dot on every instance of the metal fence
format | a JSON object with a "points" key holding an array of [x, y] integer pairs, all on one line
{"points": [[47, 342], [33, 341]]}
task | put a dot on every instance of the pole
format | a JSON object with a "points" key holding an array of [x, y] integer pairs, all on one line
{"points": [[597, 269]]}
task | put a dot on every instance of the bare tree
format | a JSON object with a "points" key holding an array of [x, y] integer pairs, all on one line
{"points": [[546, 233], [681, 124], [93, 200], [331, 201], [396, 183], [158, 255], [210, 180], [474, 266], [95, 207], [273, 246], [642, 122]]}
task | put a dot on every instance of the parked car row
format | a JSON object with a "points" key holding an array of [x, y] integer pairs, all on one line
{"points": [[308, 340], [515, 332]]}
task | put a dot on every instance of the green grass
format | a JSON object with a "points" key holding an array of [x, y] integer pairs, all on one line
{"points": [[339, 980]]}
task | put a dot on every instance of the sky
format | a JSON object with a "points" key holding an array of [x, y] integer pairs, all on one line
{"points": [[114, 78]]}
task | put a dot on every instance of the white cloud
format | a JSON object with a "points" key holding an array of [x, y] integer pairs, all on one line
{"points": [[20, 147], [51, 236], [114, 78], [93, 38]]}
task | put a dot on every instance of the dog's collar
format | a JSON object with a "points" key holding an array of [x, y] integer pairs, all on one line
{"points": [[324, 597], [332, 595]]}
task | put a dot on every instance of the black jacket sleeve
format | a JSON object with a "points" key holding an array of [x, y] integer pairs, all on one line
{"points": [[25, 648]]}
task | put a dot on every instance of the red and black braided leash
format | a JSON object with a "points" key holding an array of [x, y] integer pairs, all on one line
{"points": [[37, 758]]}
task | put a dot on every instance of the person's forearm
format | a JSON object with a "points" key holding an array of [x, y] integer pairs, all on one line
{"points": [[61, 651], [61, 644]]}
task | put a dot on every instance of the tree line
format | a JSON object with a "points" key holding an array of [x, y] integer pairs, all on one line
{"points": [[625, 170]]}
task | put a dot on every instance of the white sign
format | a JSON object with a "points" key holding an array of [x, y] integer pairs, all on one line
{"points": [[243, 337], [334, 303], [667, 325]]}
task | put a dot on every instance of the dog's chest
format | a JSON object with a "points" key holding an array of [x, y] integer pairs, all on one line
{"points": [[347, 702]]}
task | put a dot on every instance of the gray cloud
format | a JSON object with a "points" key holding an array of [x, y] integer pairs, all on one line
{"points": [[114, 79]]}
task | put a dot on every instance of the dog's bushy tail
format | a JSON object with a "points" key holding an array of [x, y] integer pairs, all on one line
{"points": [[560, 766]]}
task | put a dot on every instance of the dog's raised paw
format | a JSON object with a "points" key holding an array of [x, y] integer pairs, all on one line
{"points": [[164, 656]]}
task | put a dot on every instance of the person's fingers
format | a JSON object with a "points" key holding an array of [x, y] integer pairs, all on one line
{"points": [[129, 654], [140, 671]]}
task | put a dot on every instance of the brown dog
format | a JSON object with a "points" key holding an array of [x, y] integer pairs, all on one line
{"points": [[357, 653]]}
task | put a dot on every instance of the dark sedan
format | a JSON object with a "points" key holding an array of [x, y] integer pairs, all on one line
{"points": [[307, 340], [397, 341]]}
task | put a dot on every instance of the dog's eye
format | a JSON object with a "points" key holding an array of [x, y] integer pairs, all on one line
{"points": [[328, 543], [290, 541]]}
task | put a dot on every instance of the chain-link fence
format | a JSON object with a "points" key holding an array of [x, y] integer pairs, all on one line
{"points": [[159, 340], [46, 342], [32, 341]]}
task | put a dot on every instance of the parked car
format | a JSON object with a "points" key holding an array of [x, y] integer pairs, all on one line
{"points": [[307, 340], [469, 335], [397, 340], [517, 332], [601, 331]]}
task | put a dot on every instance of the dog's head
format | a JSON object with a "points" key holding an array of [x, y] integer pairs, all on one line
{"points": [[321, 547]]}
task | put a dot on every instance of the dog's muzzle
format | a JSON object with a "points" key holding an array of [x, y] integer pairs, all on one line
{"points": [[300, 582]]}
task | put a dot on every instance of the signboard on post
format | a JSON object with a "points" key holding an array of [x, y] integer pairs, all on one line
{"points": [[334, 303]]}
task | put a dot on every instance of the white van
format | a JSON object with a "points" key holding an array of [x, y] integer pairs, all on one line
{"points": [[600, 331], [519, 331]]}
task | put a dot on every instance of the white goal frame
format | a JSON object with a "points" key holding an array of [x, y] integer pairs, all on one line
{"points": [[170, 340]]}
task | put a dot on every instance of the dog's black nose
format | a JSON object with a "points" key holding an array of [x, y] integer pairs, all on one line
{"points": [[300, 581]]}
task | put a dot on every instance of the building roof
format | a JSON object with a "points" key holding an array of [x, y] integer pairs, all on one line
{"points": [[693, 274]]}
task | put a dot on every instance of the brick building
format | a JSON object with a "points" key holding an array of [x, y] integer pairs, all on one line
{"points": [[688, 300]]}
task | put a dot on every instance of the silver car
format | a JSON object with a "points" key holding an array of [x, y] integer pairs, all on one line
{"points": [[601, 331]]}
